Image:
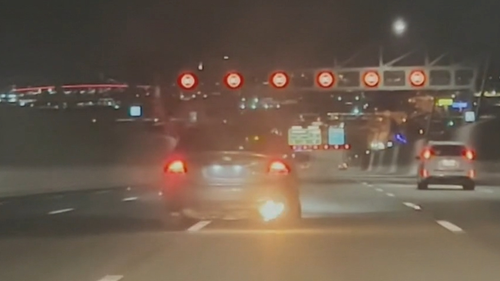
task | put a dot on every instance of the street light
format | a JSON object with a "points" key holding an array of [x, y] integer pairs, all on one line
{"points": [[399, 27]]}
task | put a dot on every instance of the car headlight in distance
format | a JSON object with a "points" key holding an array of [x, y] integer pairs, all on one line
{"points": [[270, 210]]}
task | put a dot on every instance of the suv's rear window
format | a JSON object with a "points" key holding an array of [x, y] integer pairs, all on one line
{"points": [[448, 150]]}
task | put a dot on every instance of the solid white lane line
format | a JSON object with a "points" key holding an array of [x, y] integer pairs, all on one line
{"points": [[111, 278], [486, 190], [198, 226], [379, 189], [451, 227], [60, 211], [411, 205], [390, 195], [128, 199]]}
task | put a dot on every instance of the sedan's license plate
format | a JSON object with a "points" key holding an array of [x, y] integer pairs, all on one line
{"points": [[224, 173], [449, 163], [223, 193]]}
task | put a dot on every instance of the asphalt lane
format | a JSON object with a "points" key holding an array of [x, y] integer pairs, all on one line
{"points": [[476, 213], [355, 227]]}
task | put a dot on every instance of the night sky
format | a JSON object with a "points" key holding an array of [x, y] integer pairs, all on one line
{"points": [[75, 40]]}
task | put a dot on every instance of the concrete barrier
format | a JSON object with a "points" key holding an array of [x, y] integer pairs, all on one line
{"points": [[21, 181], [45, 151]]}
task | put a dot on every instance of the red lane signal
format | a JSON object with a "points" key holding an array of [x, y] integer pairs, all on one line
{"points": [[371, 79], [233, 80], [187, 81], [417, 78], [325, 79], [279, 79]]}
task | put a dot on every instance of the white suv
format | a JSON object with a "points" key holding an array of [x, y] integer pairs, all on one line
{"points": [[447, 163]]}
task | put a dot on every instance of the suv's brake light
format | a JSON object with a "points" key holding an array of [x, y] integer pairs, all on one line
{"points": [[176, 167], [278, 168], [469, 154]]}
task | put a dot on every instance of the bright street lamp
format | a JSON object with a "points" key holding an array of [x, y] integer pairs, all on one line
{"points": [[399, 27]]}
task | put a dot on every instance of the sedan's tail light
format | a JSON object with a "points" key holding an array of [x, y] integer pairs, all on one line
{"points": [[176, 167], [278, 168], [427, 154]]}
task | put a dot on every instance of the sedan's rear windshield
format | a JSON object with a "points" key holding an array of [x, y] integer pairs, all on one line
{"points": [[448, 150], [215, 139]]}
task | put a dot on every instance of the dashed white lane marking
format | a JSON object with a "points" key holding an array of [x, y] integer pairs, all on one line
{"points": [[451, 227], [365, 183], [129, 188], [379, 189], [390, 194], [413, 206], [128, 199], [60, 211], [111, 278], [198, 226]]}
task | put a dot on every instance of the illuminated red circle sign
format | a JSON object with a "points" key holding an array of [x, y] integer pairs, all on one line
{"points": [[233, 80], [187, 81], [417, 78], [371, 78], [325, 79], [279, 79]]}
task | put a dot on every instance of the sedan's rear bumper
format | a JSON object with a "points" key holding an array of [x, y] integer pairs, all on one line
{"points": [[224, 211], [228, 203]]}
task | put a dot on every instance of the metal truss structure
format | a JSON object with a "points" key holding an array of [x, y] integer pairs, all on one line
{"points": [[437, 73]]}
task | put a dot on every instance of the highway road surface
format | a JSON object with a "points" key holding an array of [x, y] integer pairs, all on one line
{"points": [[356, 227]]}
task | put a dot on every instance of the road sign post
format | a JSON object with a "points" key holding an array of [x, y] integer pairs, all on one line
{"points": [[417, 78], [233, 80], [187, 81], [371, 79], [279, 80], [325, 79]]}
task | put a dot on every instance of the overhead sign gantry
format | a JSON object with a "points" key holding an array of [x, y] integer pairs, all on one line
{"points": [[433, 74]]}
